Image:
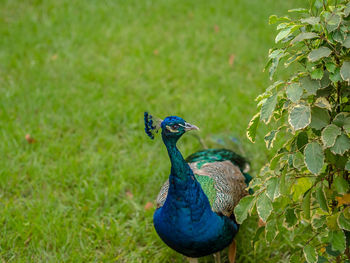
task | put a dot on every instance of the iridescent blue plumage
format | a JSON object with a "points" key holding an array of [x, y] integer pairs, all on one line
{"points": [[186, 220]]}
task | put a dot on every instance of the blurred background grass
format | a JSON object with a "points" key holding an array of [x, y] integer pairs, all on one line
{"points": [[77, 76]]}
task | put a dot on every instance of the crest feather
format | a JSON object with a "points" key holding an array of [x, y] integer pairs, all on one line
{"points": [[152, 125]]}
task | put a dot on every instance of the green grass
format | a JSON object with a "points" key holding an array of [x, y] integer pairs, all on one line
{"points": [[77, 76]]}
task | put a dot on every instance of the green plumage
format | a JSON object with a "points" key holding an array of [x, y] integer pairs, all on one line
{"points": [[207, 184], [217, 155]]}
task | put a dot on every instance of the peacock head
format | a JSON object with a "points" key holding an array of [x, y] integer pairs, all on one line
{"points": [[173, 127]]}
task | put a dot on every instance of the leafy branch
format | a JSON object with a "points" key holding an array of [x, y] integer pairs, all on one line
{"points": [[305, 186]]}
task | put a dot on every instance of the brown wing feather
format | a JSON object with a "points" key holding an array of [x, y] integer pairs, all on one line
{"points": [[229, 184]]}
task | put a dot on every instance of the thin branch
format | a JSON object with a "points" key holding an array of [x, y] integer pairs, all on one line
{"points": [[315, 235]]}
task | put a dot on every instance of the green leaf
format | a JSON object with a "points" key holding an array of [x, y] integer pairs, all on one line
{"points": [[346, 211], [347, 10], [290, 217], [296, 57], [333, 20], [275, 57], [295, 259], [345, 71], [306, 204], [300, 187], [317, 73], [326, 92], [343, 222], [299, 116], [314, 157], [330, 251], [331, 67], [298, 160], [335, 77], [310, 20], [272, 188], [274, 19], [320, 118], [341, 145], [311, 86], [316, 3], [337, 160], [298, 10], [243, 207], [264, 206], [283, 34], [322, 259], [270, 231], [252, 127], [341, 185], [340, 119], [310, 254], [317, 54], [275, 85], [321, 198], [346, 42], [267, 108], [347, 165], [325, 81], [282, 26], [257, 235], [322, 102], [318, 221], [275, 53], [294, 92], [283, 183], [337, 240], [304, 36], [332, 223], [274, 160], [270, 138], [346, 125], [338, 36], [302, 140], [329, 135]]}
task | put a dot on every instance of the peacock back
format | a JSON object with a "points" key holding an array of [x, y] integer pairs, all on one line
{"points": [[220, 174]]}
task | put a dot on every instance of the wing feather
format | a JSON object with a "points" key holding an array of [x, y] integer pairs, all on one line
{"points": [[222, 182]]}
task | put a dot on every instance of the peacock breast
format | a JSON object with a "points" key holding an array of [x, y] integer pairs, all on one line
{"points": [[194, 238]]}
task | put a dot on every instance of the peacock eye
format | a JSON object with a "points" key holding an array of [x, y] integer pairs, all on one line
{"points": [[175, 126]]}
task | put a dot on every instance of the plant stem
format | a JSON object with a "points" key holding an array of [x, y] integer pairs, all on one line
{"points": [[324, 5], [338, 96], [347, 252]]}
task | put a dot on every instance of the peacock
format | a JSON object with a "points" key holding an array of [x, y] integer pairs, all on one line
{"points": [[194, 214]]}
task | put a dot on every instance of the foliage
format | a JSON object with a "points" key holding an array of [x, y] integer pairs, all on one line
{"points": [[303, 192], [76, 76]]}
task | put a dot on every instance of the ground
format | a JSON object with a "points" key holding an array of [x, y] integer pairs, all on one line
{"points": [[77, 168]]}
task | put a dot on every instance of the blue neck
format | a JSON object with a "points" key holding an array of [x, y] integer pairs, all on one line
{"points": [[179, 168], [184, 189]]}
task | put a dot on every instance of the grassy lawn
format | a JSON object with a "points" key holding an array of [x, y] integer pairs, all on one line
{"points": [[77, 76]]}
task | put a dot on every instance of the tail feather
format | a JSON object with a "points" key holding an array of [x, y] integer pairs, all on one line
{"points": [[214, 155]]}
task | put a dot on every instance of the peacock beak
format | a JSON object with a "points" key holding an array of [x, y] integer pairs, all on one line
{"points": [[189, 127]]}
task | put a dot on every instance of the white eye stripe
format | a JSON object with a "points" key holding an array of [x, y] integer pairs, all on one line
{"points": [[171, 129]]}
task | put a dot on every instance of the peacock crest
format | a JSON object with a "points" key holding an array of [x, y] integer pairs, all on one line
{"points": [[152, 124]]}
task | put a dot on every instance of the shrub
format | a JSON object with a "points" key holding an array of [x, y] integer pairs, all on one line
{"points": [[303, 192]]}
